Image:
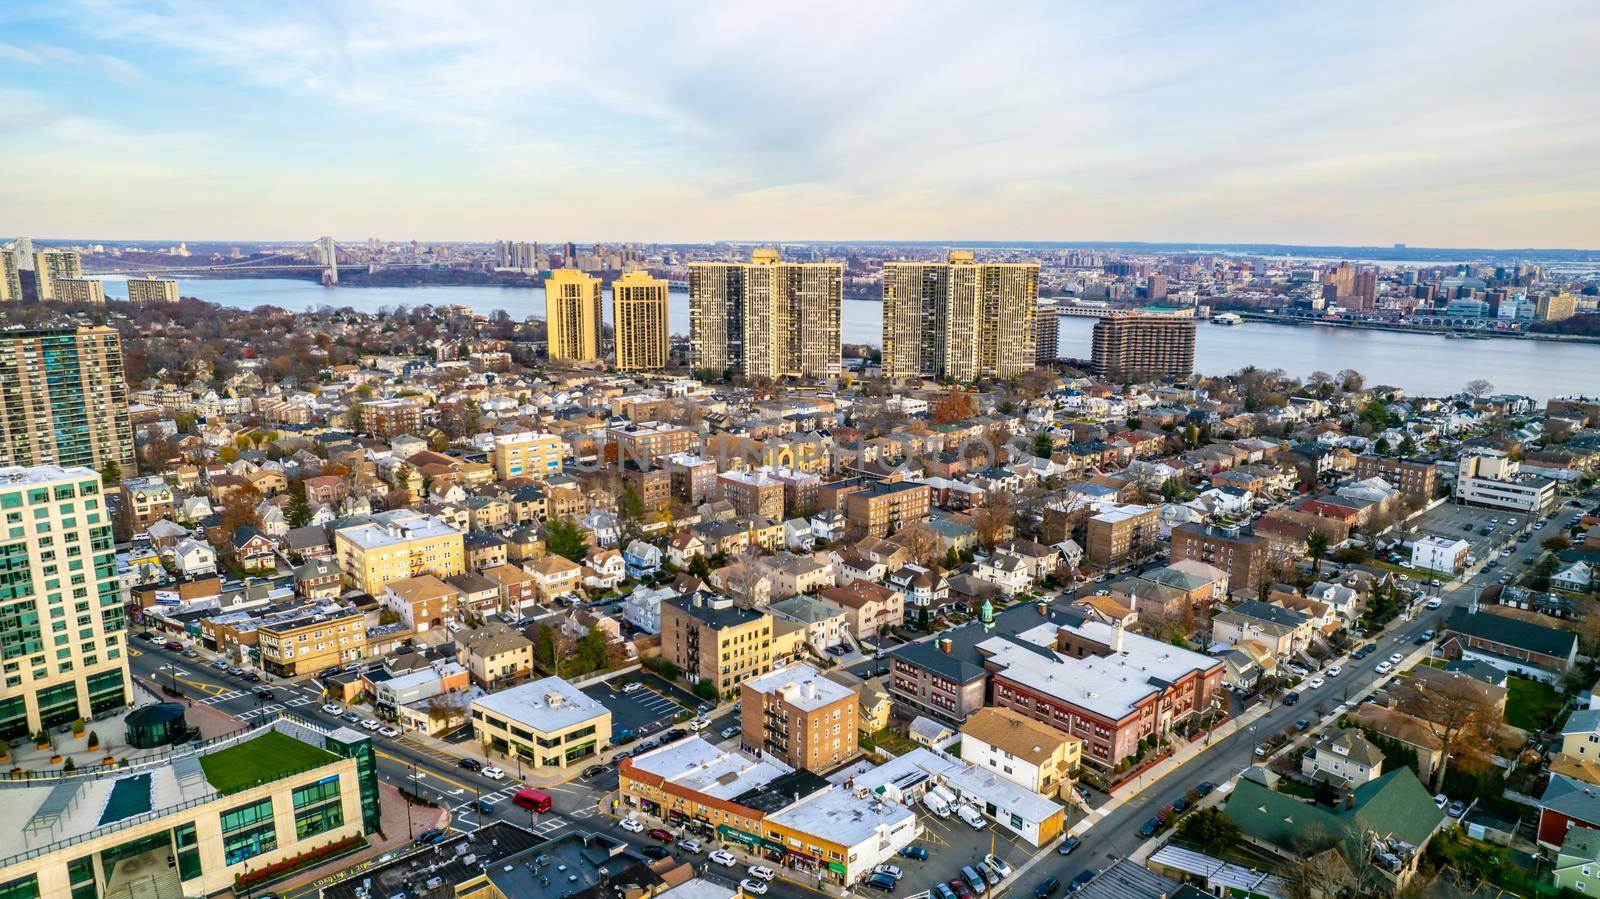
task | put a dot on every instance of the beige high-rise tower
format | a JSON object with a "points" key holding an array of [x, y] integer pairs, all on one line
{"points": [[10, 279], [573, 315], [766, 317], [63, 399], [959, 319], [639, 318], [50, 266]]}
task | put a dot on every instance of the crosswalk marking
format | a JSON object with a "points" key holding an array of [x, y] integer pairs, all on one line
{"points": [[299, 701], [223, 697], [263, 710]]}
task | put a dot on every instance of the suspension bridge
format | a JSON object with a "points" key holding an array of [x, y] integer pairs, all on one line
{"points": [[325, 254]]}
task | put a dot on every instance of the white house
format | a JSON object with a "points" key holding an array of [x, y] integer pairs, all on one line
{"points": [[1443, 554], [194, 558], [1574, 577], [1343, 759], [642, 609], [1008, 573]]}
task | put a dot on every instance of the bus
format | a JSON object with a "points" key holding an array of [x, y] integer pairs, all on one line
{"points": [[534, 800]]}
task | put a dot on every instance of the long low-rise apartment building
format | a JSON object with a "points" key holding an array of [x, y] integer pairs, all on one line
{"points": [[549, 723], [189, 825], [1108, 688], [1498, 482]]}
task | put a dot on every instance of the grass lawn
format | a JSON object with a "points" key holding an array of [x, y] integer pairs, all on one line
{"points": [[261, 759], [1530, 704], [892, 741]]}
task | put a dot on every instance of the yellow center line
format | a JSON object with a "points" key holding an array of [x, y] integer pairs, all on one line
{"points": [[407, 763]]}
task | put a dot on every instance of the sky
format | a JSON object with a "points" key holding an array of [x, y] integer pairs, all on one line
{"points": [[1460, 123]]}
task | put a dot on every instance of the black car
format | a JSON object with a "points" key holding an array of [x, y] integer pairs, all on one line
{"points": [[1204, 788], [655, 852], [1069, 844], [470, 764], [264, 693], [882, 882], [252, 677], [1180, 805], [591, 772], [430, 836], [1291, 698], [1150, 827], [677, 733], [481, 807], [1302, 724], [1081, 881], [1047, 887]]}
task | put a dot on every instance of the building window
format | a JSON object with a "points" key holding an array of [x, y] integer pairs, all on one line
{"points": [[247, 832]]}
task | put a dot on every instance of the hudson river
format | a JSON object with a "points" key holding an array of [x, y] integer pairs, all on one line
{"points": [[1419, 363]]}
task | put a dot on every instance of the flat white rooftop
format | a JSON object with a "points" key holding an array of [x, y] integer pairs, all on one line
{"points": [[547, 705]]}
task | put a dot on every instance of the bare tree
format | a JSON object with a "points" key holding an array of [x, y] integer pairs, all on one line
{"points": [[1319, 874], [921, 543], [992, 520], [1479, 388], [1455, 711]]}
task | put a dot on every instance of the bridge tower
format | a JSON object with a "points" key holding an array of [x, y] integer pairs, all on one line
{"points": [[330, 259]]}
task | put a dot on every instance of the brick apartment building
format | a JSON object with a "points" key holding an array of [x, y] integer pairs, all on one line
{"points": [[884, 507], [1120, 534], [1415, 479], [1243, 556], [801, 717]]}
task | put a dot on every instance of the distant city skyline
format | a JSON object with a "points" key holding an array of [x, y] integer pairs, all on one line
{"points": [[1432, 124]]}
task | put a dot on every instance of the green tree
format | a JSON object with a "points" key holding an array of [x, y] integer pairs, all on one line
{"points": [[1171, 489], [565, 538], [1209, 829], [110, 473], [1316, 545], [1375, 413], [299, 511], [1408, 445], [699, 567], [592, 652], [706, 690], [1381, 447], [544, 649], [667, 669], [1043, 446]]}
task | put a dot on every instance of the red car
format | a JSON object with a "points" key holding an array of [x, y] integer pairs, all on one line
{"points": [[960, 886], [656, 833]]}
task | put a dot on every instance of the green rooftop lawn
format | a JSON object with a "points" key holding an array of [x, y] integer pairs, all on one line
{"points": [[260, 760]]}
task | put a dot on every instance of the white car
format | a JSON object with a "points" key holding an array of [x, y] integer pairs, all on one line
{"points": [[632, 687], [492, 773], [1435, 603], [691, 845], [761, 872], [370, 725], [1315, 683], [1335, 671], [332, 709], [1385, 667], [723, 857], [728, 732], [998, 865], [633, 825], [754, 887], [891, 870], [699, 724], [389, 732], [1396, 659]]}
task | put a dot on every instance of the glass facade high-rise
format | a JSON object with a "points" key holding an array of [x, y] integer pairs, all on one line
{"points": [[959, 319], [62, 625], [63, 399], [766, 317]]}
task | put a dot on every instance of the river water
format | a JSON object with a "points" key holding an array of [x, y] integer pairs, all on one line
{"points": [[1419, 363]]}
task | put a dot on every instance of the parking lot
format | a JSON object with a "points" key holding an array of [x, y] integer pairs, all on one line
{"points": [[644, 711], [952, 844], [1468, 523]]}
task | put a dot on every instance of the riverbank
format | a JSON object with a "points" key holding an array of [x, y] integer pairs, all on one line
{"points": [[1448, 333]]}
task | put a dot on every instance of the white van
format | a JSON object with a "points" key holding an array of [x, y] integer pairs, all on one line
{"points": [[972, 816], [935, 804]]}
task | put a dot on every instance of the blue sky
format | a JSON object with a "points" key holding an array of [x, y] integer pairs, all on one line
{"points": [[1430, 123]]}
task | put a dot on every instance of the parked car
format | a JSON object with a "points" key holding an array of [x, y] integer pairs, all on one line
{"points": [[591, 772], [1456, 808], [728, 732], [761, 872], [469, 764], [723, 857], [1384, 668], [660, 835], [389, 732], [632, 687], [1205, 788], [914, 852], [1291, 698], [1069, 844], [988, 873], [430, 836], [997, 865], [492, 772], [960, 888], [975, 880], [890, 870], [1154, 824], [632, 825], [332, 709], [881, 882], [943, 891], [1335, 671], [1315, 683], [1302, 724], [1081, 881], [691, 845], [1047, 887], [351, 717], [655, 852]]}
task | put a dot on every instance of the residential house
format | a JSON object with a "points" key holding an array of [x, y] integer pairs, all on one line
{"points": [[1520, 647], [1345, 759], [869, 608]]}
